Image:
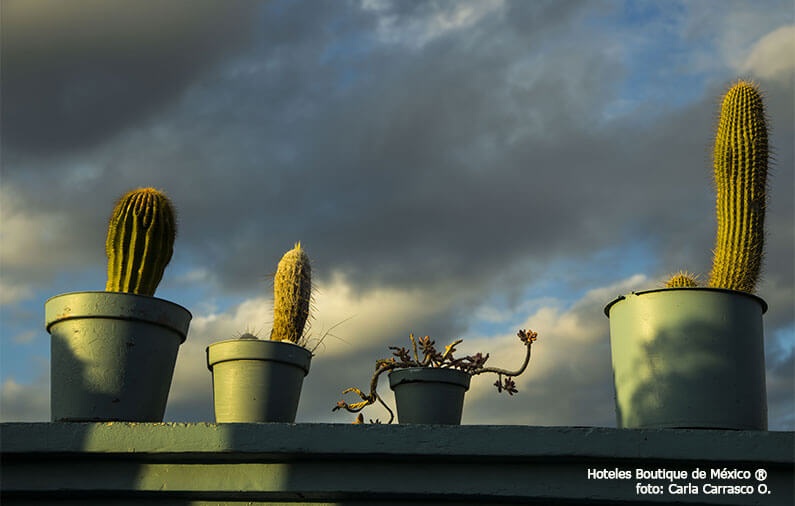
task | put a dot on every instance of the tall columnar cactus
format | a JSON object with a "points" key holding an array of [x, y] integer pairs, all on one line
{"points": [[140, 241], [740, 160], [292, 289]]}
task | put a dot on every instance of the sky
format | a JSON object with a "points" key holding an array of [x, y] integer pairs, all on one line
{"points": [[459, 169]]}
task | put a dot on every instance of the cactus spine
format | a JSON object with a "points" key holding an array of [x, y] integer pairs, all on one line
{"points": [[740, 160], [292, 288], [682, 279], [140, 241]]}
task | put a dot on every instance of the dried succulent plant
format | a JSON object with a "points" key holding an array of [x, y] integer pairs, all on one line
{"points": [[425, 347]]}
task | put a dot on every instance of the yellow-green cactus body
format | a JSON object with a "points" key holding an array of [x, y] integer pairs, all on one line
{"points": [[740, 160], [292, 289], [682, 279], [140, 241]]}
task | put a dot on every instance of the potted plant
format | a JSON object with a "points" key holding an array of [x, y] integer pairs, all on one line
{"points": [[113, 352], [430, 390], [693, 357], [260, 380]]}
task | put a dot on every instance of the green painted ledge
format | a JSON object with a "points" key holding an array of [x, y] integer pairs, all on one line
{"points": [[199, 463]]}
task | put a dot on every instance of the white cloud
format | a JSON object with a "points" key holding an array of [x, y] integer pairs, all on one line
{"points": [[33, 243], [26, 337], [738, 27], [25, 402], [417, 31], [24, 231], [192, 381], [197, 276], [14, 292], [569, 379], [373, 318], [772, 56], [363, 323]]}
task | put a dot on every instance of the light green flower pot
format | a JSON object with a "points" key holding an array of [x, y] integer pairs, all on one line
{"points": [[257, 380], [112, 355], [429, 395], [689, 358]]}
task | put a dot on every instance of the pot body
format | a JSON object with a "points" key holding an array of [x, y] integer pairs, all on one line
{"points": [[112, 355], [429, 395], [689, 358], [257, 380]]}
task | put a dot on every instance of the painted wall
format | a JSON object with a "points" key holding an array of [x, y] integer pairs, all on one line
{"points": [[136, 463]]}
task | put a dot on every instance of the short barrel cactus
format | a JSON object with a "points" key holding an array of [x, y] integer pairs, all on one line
{"points": [[682, 279], [140, 241]]}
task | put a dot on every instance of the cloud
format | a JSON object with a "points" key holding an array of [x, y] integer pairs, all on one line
{"points": [[418, 24], [780, 389], [442, 162], [30, 237], [25, 402], [80, 72], [518, 153], [477, 154], [25, 337], [734, 33], [347, 327], [569, 379], [569, 374], [11, 293], [191, 388], [771, 57]]}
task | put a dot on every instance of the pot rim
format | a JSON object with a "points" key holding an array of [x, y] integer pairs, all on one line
{"points": [[80, 309], [618, 299], [443, 375], [285, 352]]}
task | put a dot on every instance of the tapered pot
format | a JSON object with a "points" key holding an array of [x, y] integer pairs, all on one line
{"points": [[688, 358], [112, 355], [257, 380], [429, 395]]}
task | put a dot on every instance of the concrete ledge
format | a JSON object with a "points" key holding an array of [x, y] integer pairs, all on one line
{"points": [[132, 463]]}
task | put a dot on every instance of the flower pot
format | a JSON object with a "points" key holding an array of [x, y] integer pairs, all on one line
{"points": [[112, 355], [688, 358], [257, 380], [429, 395]]}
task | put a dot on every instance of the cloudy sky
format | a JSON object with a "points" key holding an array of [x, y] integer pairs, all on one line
{"points": [[460, 169]]}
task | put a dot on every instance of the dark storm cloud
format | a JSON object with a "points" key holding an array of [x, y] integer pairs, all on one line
{"points": [[74, 73], [385, 160], [402, 166], [485, 150]]}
